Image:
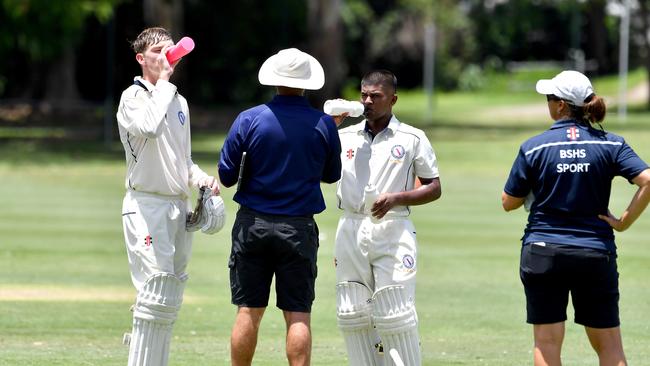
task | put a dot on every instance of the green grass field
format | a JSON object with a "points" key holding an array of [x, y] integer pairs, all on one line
{"points": [[65, 289]]}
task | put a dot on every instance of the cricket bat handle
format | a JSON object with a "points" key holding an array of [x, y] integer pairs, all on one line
{"points": [[241, 170]]}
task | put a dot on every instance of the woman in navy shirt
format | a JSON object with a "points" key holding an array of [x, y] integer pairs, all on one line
{"points": [[563, 176]]}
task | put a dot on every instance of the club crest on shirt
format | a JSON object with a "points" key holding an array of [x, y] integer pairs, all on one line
{"points": [[397, 151], [572, 133], [408, 261], [181, 117]]}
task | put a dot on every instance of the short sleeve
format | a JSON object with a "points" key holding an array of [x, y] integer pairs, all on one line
{"points": [[332, 168], [628, 163], [425, 162], [518, 183]]}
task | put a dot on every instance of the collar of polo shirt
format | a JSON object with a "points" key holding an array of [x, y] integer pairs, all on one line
{"points": [[393, 125]]}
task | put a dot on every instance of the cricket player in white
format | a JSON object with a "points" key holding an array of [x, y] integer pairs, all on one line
{"points": [[154, 126], [375, 252]]}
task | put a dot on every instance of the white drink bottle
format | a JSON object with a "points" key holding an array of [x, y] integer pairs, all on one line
{"points": [[336, 107], [370, 195]]}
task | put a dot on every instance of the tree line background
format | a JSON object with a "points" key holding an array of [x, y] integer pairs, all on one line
{"points": [[68, 60]]}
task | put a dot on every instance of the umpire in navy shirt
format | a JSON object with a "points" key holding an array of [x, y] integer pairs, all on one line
{"points": [[563, 177], [290, 148]]}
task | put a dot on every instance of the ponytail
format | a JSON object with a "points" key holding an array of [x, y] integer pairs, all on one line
{"points": [[593, 111]]}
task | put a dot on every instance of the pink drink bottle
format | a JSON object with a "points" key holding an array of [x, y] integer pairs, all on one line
{"points": [[182, 48]]}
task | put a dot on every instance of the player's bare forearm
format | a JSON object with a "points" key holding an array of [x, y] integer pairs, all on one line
{"points": [[510, 203], [429, 191]]}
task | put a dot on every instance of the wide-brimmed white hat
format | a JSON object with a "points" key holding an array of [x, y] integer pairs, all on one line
{"points": [[568, 85], [292, 68]]}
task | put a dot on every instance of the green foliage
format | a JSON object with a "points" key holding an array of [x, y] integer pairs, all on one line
{"points": [[393, 37], [355, 15], [506, 99], [471, 78], [513, 30], [474, 39], [233, 42], [41, 28]]}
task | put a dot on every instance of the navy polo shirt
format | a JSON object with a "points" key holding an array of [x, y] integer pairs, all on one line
{"points": [[569, 169], [290, 148]]}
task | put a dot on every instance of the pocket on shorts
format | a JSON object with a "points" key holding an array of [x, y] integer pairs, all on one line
{"points": [[302, 237], [536, 259]]}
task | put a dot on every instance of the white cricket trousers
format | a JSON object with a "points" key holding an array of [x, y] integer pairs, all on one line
{"points": [[376, 254], [155, 235]]}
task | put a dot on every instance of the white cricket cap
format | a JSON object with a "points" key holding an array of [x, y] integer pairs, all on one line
{"points": [[572, 86], [292, 68]]}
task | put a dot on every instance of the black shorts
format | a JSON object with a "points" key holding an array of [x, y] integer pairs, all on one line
{"points": [[267, 245], [549, 273]]}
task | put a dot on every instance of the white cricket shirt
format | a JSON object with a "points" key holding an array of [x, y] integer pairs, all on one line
{"points": [[154, 127], [391, 162]]}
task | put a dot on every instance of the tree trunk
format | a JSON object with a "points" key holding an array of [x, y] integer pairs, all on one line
{"points": [[62, 80], [598, 34], [326, 44]]}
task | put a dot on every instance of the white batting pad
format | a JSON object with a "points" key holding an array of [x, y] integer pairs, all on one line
{"points": [[396, 322], [154, 314], [354, 321]]}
